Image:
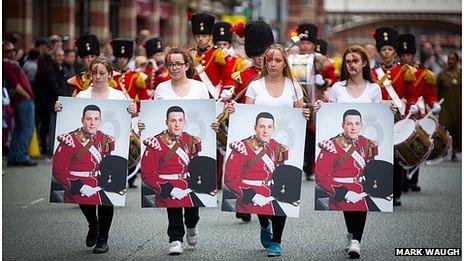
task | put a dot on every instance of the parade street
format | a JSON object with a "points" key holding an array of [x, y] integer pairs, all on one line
{"points": [[34, 229]]}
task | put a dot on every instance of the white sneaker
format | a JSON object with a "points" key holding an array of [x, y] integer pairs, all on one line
{"points": [[354, 251], [192, 236], [175, 248], [349, 237]]}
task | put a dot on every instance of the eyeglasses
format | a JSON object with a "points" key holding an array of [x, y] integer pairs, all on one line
{"points": [[175, 65]]}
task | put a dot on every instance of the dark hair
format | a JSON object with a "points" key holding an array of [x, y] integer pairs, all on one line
{"points": [[455, 55], [174, 109], [265, 115], [90, 107], [366, 70], [351, 112], [187, 59], [69, 50]]}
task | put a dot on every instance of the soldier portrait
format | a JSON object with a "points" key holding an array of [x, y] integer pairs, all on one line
{"points": [[263, 170], [89, 161], [354, 169], [178, 162]]}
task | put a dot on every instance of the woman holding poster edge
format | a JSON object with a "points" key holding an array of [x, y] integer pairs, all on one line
{"points": [[181, 86], [355, 86], [99, 224], [276, 87]]}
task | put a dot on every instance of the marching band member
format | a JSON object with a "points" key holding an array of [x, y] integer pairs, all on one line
{"points": [[355, 86], [156, 70], [130, 82], [88, 48], [64, 165], [276, 87], [396, 82], [181, 86], [208, 60], [424, 86]]}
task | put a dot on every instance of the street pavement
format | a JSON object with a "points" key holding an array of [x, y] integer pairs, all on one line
{"points": [[34, 229]]}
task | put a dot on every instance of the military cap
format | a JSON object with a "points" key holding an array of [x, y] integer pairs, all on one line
{"points": [[202, 23], [221, 32], [113, 173], [386, 36], [153, 45], [88, 45], [309, 31], [407, 44], [202, 171], [321, 46], [123, 47]]}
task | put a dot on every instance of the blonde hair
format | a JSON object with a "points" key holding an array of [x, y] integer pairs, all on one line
{"points": [[103, 60], [287, 72]]}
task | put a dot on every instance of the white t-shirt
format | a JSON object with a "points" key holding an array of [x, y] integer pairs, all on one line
{"points": [[198, 90], [258, 92], [339, 94], [113, 95]]}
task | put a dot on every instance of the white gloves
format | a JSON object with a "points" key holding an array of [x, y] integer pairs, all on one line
{"points": [[353, 197], [436, 108], [178, 193], [88, 191], [226, 94], [413, 109], [261, 200], [319, 80]]}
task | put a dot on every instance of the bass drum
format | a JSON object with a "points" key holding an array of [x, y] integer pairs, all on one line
{"points": [[412, 144], [134, 145], [440, 136]]}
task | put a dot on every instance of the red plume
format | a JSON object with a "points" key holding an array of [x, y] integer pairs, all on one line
{"points": [[373, 35], [189, 16], [239, 29], [74, 42]]}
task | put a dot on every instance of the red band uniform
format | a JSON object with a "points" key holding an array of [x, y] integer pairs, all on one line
{"points": [[165, 166], [249, 171], [77, 162], [155, 77], [339, 164]]}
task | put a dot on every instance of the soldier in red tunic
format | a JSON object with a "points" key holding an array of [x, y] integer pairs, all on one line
{"points": [[130, 82], [88, 48], [250, 166], [340, 164], [423, 86], [76, 165], [396, 82], [156, 70], [208, 60], [165, 161]]}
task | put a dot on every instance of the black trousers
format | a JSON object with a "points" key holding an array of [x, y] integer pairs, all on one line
{"points": [[176, 229], [278, 224], [355, 221], [398, 174], [105, 216]]}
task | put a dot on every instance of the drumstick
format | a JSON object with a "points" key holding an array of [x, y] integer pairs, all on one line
{"points": [[417, 102], [430, 112]]}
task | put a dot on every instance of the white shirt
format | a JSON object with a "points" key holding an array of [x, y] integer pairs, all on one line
{"points": [[258, 92], [198, 90], [371, 94], [113, 95]]}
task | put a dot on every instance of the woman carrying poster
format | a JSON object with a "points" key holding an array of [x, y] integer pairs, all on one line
{"points": [[277, 87], [99, 224], [355, 86], [181, 86]]}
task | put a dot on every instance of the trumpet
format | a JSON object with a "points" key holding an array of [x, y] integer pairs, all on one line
{"points": [[294, 41]]}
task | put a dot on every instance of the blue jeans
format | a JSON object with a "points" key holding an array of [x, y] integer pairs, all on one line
{"points": [[22, 133]]}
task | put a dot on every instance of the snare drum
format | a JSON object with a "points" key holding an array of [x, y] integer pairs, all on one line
{"points": [[440, 136], [412, 144]]}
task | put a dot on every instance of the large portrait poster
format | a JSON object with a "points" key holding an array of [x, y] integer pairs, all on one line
{"points": [[264, 160], [178, 162], [90, 152], [354, 157]]}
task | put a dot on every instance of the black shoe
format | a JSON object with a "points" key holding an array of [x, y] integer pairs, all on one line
{"points": [[12, 164], [92, 235], [415, 188], [28, 163], [396, 202], [132, 185], [405, 189], [102, 246], [244, 216]]}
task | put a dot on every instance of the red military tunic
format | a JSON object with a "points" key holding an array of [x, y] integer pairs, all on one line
{"points": [[244, 170], [331, 171], [242, 79], [133, 85], [72, 162], [425, 86], [156, 77], [213, 61], [162, 165], [402, 79], [233, 63]]}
